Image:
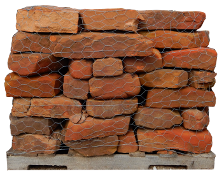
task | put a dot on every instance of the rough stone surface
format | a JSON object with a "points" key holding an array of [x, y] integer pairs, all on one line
{"points": [[107, 67], [164, 19], [100, 45], [143, 64], [122, 86], [177, 40], [47, 19], [81, 69], [164, 78], [196, 58], [95, 147], [202, 79], [176, 138], [57, 107], [110, 19], [111, 108], [186, 97], [156, 118], [29, 64], [47, 85], [194, 119], [32, 125], [35, 144], [127, 142], [75, 88], [93, 128], [20, 107]]}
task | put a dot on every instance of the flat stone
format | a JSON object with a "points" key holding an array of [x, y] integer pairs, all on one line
{"points": [[20, 107], [47, 19], [111, 108], [107, 67], [93, 128], [164, 78], [57, 107], [196, 58], [202, 79], [156, 118], [123, 86], [35, 144], [47, 85], [187, 97], [81, 69], [166, 19], [143, 64], [177, 40], [194, 119], [95, 147], [176, 138], [75, 88], [29, 64]]}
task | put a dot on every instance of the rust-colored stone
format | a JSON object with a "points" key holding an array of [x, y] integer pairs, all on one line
{"points": [[122, 86], [196, 58], [165, 78], [177, 40], [176, 138], [20, 107], [47, 85], [186, 97]]}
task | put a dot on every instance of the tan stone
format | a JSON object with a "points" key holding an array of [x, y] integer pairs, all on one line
{"points": [[47, 19], [93, 128], [75, 88], [164, 78], [20, 107], [143, 64], [122, 86], [47, 85], [111, 108], [107, 67], [156, 118]]}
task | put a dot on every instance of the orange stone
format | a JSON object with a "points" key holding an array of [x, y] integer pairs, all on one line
{"points": [[196, 58], [20, 107], [176, 138], [47, 85]]}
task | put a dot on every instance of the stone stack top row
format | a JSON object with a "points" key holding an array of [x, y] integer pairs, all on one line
{"points": [[68, 20]]}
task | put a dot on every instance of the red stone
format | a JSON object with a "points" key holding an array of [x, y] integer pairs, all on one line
{"points": [[185, 97], [176, 138], [196, 58], [47, 85], [20, 107]]}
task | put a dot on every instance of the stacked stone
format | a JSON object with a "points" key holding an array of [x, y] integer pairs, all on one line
{"points": [[136, 81]]}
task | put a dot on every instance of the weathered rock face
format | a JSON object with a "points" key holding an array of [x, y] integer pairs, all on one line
{"points": [[127, 142], [47, 19], [156, 118], [165, 78], [194, 119], [20, 107], [122, 86], [186, 97], [176, 138], [95, 147], [177, 40], [81, 69], [107, 67], [29, 64], [32, 125], [110, 19], [93, 128], [57, 107], [75, 88], [196, 58], [35, 144], [164, 19], [202, 79], [47, 85], [143, 64], [111, 108]]}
